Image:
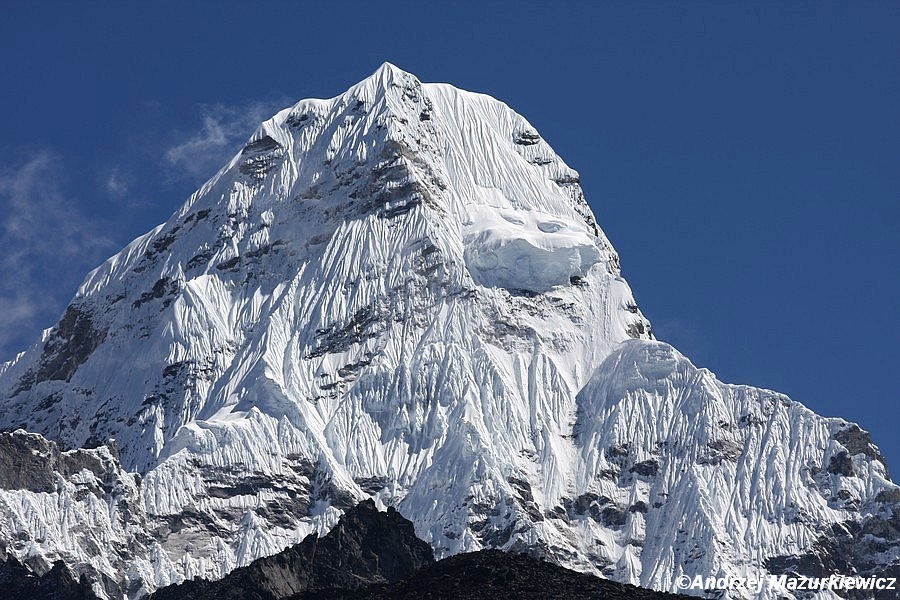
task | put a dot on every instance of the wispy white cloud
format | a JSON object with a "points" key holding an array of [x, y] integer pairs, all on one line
{"points": [[18, 312], [223, 131], [48, 243], [117, 183], [45, 245]]}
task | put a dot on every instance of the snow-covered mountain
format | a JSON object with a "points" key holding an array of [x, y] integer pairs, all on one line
{"points": [[401, 293]]}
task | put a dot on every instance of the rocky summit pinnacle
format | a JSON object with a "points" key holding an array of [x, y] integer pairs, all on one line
{"points": [[401, 294]]}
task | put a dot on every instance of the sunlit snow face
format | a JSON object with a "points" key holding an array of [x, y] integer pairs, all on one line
{"points": [[525, 249]]}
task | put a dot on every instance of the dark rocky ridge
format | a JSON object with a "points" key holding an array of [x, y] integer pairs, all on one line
{"points": [[376, 555], [69, 345], [30, 462], [372, 555], [495, 575], [365, 547], [17, 581], [849, 548]]}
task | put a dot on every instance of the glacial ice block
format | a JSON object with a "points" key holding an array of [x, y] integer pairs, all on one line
{"points": [[526, 249]]}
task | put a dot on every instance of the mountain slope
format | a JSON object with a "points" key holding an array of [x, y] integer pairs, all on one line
{"points": [[401, 293]]}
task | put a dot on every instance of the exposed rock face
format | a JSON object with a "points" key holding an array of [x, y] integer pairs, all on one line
{"points": [[69, 345], [30, 462], [365, 547], [375, 555], [851, 548], [53, 502], [18, 582], [495, 575]]}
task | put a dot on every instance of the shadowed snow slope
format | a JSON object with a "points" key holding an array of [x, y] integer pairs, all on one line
{"points": [[401, 294]]}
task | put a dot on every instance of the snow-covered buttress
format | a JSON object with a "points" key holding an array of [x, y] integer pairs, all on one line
{"points": [[401, 293]]}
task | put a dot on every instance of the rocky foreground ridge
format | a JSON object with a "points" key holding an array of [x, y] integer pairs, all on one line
{"points": [[367, 555], [375, 555]]}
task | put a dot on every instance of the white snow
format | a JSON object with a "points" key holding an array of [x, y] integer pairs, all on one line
{"points": [[400, 292], [525, 249]]}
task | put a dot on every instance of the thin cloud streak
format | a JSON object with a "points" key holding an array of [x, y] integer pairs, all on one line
{"points": [[44, 244], [117, 184], [47, 244], [224, 130]]}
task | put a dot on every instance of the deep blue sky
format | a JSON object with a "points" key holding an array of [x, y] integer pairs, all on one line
{"points": [[743, 158]]}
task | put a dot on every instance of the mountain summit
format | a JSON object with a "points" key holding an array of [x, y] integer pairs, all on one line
{"points": [[401, 294]]}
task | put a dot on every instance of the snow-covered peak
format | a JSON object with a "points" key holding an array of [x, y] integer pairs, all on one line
{"points": [[391, 137], [385, 77], [401, 293]]}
